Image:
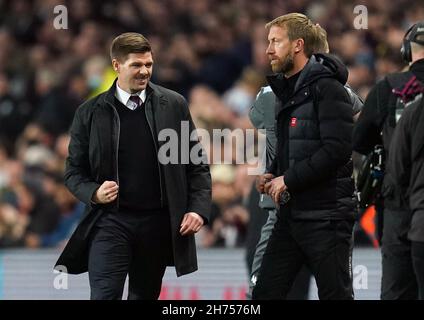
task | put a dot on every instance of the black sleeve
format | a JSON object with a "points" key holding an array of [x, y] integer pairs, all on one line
{"points": [[273, 166], [335, 118], [367, 130], [77, 177], [399, 162]]}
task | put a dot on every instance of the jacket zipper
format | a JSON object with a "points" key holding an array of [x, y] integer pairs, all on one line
{"points": [[157, 150], [117, 149]]}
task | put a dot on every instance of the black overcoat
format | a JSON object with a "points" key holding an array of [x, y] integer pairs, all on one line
{"points": [[93, 159]]}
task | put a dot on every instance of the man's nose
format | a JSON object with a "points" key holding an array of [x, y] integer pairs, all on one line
{"points": [[143, 70], [269, 49]]}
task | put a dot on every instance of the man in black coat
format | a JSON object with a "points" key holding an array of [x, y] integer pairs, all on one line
{"points": [[406, 164], [375, 126], [141, 212], [311, 173]]}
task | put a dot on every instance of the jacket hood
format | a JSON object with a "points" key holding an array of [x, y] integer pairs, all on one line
{"points": [[320, 65], [327, 65]]}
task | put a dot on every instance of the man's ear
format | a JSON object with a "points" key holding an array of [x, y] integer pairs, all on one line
{"points": [[115, 65], [299, 45]]}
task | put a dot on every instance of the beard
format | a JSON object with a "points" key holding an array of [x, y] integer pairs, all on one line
{"points": [[283, 65]]}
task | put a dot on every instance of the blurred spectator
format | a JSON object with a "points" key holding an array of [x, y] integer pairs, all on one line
{"points": [[14, 115], [70, 212], [241, 96], [12, 226], [229, 217]]}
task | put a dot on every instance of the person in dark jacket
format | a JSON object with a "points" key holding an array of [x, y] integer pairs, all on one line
{"points": [[312, 172], [376, 124], [141, 214], [406, 164], [262, 117], [262, 114]]}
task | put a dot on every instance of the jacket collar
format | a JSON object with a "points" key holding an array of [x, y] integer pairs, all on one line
{"points": [[150, 89], [417, 68], [318, 66], [124, 96], [278, 82]]}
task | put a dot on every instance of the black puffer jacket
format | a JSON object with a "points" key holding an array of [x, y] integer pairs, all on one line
{"points": [[314, 129]]}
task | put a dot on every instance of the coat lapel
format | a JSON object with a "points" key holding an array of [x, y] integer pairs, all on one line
{"points": [[103, 119], [156, 111]]}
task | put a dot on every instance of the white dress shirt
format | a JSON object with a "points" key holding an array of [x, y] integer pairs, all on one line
{"points": [[124, 97]]}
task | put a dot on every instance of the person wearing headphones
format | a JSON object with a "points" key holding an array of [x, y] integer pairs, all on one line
{"points": [[376, 124], [407, 156]]}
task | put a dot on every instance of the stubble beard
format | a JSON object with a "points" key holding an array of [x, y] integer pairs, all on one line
{"points": [[284, 66]]}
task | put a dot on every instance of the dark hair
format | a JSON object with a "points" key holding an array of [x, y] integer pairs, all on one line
{"points": [[129, 42]]}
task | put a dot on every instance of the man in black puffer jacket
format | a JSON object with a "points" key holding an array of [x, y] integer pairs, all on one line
{"points": [[312, 183]]}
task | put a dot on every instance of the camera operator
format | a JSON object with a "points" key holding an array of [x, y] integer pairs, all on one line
{"points": [[376, 124]]}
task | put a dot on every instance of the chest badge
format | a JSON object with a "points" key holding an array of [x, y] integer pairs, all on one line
{"points": [[293, 122]]}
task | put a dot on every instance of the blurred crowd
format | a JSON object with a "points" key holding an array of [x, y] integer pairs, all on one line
{"points": [[211, 51]]}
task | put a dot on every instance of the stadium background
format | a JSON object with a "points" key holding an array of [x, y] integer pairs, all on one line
{"points": [[212, 52]]}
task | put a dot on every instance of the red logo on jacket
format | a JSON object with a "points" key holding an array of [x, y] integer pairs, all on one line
{"points": [[293, 122]]}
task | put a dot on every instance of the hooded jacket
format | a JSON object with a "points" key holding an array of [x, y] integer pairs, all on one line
{"points": [[262, 116], [314, 129]]}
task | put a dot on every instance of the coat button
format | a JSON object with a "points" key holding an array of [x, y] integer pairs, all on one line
{"points": [[292, 102], [306, 93]]}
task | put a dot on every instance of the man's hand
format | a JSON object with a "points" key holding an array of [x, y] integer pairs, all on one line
{"points": [[192, 222], [106, 193], [261, 180], [275, 187]]}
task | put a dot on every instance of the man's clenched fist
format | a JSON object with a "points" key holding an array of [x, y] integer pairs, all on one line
{"points": [[106, 193], [261, 180]]}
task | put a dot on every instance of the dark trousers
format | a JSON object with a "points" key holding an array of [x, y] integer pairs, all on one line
{"points": [[300, 288], [398, 278], [129, 243], [418, 262], [324, 246]]}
